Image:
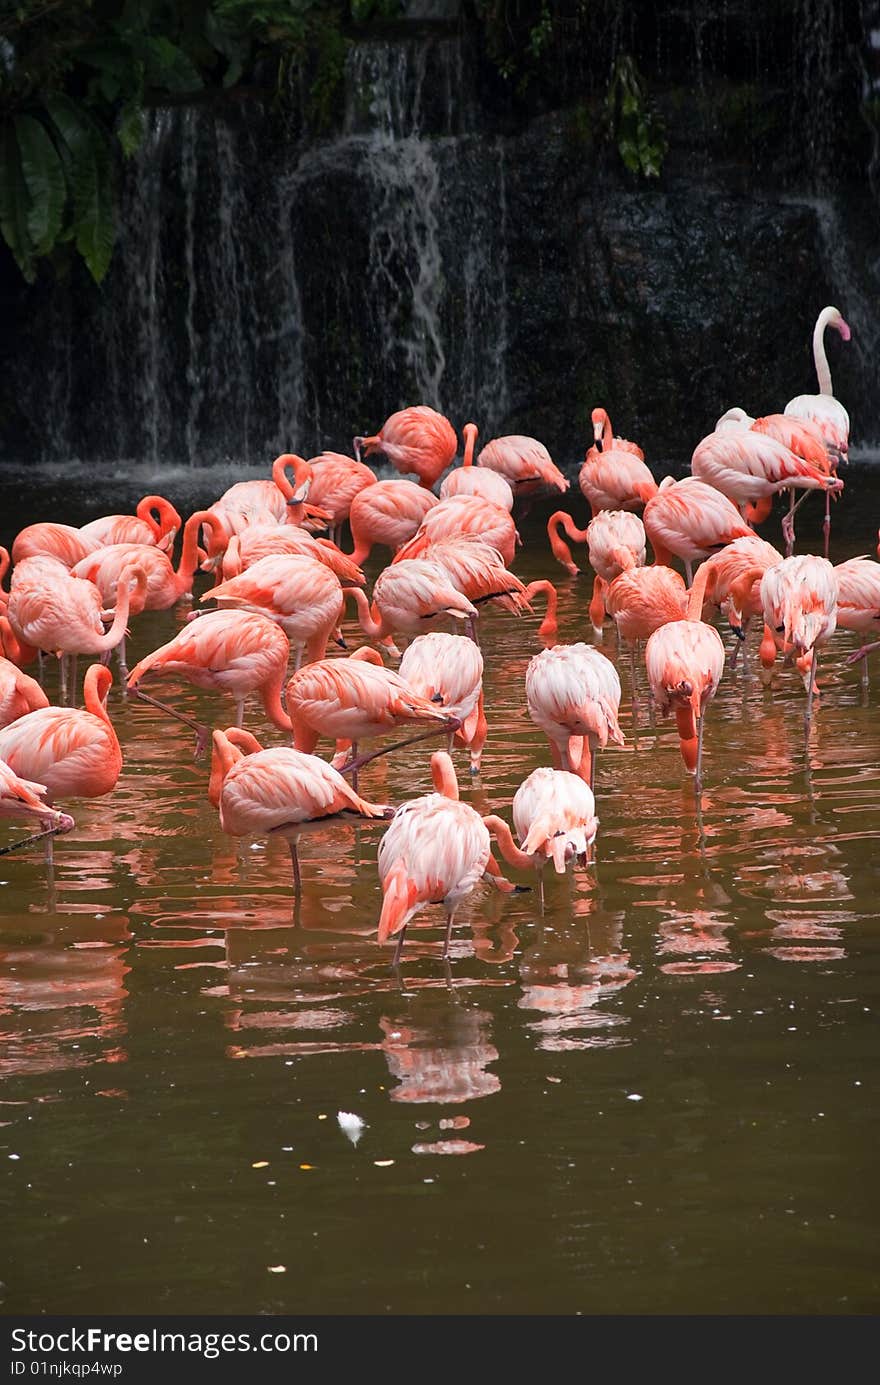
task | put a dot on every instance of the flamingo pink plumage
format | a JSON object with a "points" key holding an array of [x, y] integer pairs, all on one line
{"points": [[21, 798], [336, 480], [823, 409], [476, 480], [573, 694], [19, 694], [406, 596], [691, 519], [233, 652], [48, 539], [270, 540], [448, 670], [465, 516], [524, 463], [685, 661], [417, 439], [435, 851], [554, 814], [156, 522], [388, 513], [799, 597], [303, 596], [282, 793]]}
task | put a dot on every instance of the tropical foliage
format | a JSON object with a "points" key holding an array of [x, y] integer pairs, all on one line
{"points": [[76, 76]]}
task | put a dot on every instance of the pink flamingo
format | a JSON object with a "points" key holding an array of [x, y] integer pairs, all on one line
{"points": [[737, 571], [265, 541], [524, 463], [388, 513], [435, 851], [751, 464], [73, 753], [336, 480], [64, 615], [476, 480], [573, 694], [416, 439], [20, 798], [60, 541], [614, 475], [799, 596], [822, 409], [479, 574], [233, 652], [19, 694], [282, 793], [691, 519], [685, 661], [639, 601], [303, 596], [554, 814], [156, 522], [354, 700], [858, 602], [448, 670], [465, 516], [406, 596]]}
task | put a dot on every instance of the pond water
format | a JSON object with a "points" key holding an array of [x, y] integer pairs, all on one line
{"points": [[660, 1096]]}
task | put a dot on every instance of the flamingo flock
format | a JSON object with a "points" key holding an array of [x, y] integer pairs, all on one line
{"points": [[276, 631]]}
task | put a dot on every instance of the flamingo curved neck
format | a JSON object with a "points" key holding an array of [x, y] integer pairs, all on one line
{"points": [[703, 586], [272, 704], [548, 628], [370, 619], [189, 554], [96, 686], [470, 441], [223, 756], [443, 774], [823, 370], [507, 846]]}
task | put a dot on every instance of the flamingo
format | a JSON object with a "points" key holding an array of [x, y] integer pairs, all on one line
{"points": [[737, 571], [614, 475], [4, 568], [271, 540], [64, 615], [641, 599], [690, 519], [685, 661], [858, 600], [282, 793], [22, 798], [416, 439], [19, 694], [435, 850], [479, 574], [799, 597], [548, 630], [388, 513], [465, 516], [355, 700], [59, 541], [823, 409], [74, 753], [302, 595], [524, 463], [156, 522], [336, 480], [750, 464], [573, 694], [476, 480], [448, 669], [554, 814], [406, 596], [232, 652]]}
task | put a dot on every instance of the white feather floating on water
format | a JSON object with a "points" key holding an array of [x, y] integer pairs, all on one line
{"points": [[351, 1125]]}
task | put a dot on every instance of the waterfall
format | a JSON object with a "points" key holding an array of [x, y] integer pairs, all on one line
{"points": [[274, 292]]}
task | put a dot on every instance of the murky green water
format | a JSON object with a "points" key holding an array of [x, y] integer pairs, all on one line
{"points": [[661, 1096]]}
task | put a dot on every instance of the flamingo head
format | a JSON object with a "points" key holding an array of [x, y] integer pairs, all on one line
{"points": [[599, 418]]}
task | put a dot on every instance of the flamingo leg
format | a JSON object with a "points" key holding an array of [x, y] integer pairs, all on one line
{"points": [[698, 775], [541, 888], [826, 523], [74, 675], [294, 860], [450, 919], [632, 675], [62, 673], [811, 687], [788, 521], [689, 572], [202, 731], [239, 711], [121, 659], [354, 765], [593, 747], [399, 949]]}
